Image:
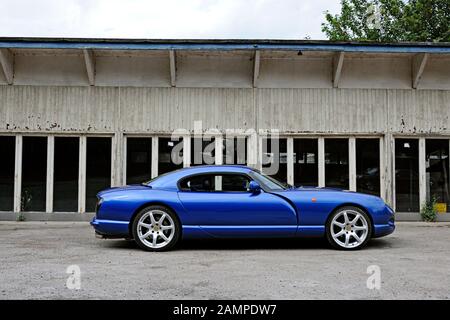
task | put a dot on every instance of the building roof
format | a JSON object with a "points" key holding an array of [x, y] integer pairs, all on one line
{"points": [[223, 44]]}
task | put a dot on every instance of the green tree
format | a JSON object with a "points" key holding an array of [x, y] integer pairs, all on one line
{"points": [[389, 21]]}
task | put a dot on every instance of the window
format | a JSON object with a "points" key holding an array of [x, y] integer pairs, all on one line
{"points": [[34, 174], [336, 163], [368, 166], [235, 150], [267, 182], [407, 175], [305, 162], [7, 162], [166, 160], [98, 169], [66, 166], [216, 183], [437, 171], [202, 151], [274, 158], [139, 160]]}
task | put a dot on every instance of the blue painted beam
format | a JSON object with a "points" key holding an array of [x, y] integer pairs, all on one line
{"points": [[209, 46]]}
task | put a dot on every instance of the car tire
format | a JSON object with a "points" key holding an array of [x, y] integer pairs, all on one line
{"points": [[348, 228], [156, 228]]}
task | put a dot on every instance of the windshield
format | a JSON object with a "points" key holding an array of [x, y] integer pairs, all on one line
{"points": [[267, 182]]}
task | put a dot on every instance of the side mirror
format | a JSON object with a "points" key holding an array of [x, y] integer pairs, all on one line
{"points": [[254, 187]]}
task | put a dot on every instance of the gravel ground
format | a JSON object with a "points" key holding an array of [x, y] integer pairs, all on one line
{"points": [[414, 263]]}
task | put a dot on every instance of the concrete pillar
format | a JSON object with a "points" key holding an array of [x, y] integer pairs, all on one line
{"points": [[321, 161], [387, 167], [124, 160], [186, 151], [82, 175], [117, 159], [422, 173], [352, 163], [18, 174], [290, 160], [382, 169], [50, 173], [218, 149], [154, 157]]}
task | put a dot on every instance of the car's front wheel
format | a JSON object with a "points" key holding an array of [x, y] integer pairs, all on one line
{"points": [[348, 228], [156, 228]]}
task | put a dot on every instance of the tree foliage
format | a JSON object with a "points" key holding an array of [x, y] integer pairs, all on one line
{"points": [[390, 21]]}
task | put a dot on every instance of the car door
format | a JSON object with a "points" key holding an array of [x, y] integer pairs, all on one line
{"points": [[222, 205]]}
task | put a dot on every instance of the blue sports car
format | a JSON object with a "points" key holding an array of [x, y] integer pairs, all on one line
{"points": [[232, 201]]}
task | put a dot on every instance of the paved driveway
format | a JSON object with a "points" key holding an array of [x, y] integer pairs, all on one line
{"points": [[414, 262]]}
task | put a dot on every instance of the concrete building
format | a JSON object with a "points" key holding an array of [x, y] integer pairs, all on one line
{"points": [[79, 115]]}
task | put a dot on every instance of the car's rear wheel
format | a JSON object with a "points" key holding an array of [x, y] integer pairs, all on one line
{"points": [[348, 228], [156, 228]]}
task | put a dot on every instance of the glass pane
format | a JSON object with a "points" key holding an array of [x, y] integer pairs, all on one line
{"points": [[202, 183], [219, 183], [139, 160], [34, 173], [202, 151], [336, 163], [231, 182], [65, 188], [7, 159], [407, 175], [235, 150], [166, 161], [274, 158], [437, 167], [98, 169], [368, 166], [305, 162]]}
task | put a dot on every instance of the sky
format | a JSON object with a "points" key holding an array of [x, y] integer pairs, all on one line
{"points": [[165, 19]]}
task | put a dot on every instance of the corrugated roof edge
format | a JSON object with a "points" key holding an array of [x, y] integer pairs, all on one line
{"points": [[223, 44]]}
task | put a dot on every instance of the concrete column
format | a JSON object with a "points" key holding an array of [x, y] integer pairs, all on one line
{"points": [[321, 161], [260, 152], [186, 151], [252, 150], [387, 168], [124, 160], [382, 169], [117, 159], [219, 149], [50, 172], [18, 174], [155, 148], [422, 173], [352, 163], [82, 176], [390, 173], [290, 160]]}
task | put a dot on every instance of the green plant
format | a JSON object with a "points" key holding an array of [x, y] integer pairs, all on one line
{"points": [[25, 200], [428, 210], [20, 217]]}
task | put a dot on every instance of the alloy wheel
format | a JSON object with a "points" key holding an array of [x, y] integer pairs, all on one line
{"points": [[349, 229], [155, 229]]}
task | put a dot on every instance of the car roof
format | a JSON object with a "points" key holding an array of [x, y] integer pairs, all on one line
{"points": [[170, 180]]}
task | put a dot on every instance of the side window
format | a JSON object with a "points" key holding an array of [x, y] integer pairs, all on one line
{"points": [[216, 183], [202, 183], [231, 182]]}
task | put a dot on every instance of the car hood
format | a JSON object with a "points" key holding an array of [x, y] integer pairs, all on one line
{"points": [[327, 193], [124, 188]]}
